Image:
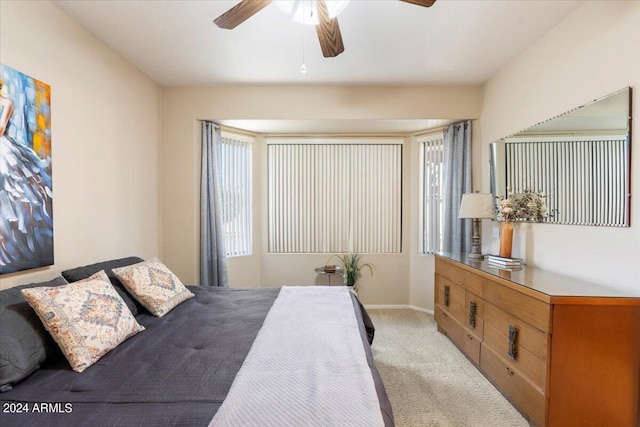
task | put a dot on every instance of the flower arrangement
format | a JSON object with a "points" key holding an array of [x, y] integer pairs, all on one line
{"points": [[529, 205], [351, 267]]}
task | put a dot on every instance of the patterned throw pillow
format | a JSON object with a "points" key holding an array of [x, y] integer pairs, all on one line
{"points": [[87, 319], [154, 286]]}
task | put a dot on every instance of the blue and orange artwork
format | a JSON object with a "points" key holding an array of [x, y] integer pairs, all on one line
{"points": [[26, 197]]}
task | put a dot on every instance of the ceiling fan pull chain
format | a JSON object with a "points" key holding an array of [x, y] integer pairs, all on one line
{"points": [[311, 10]]}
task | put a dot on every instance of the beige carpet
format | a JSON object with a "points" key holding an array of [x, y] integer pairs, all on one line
{"points": [[429, 382]]}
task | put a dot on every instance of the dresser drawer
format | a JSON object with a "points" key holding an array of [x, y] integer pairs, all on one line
{"points": [[465, 341], [529, 348], [474, 322], [531, 310], [514, 386], [451, 297], [460, 276]]}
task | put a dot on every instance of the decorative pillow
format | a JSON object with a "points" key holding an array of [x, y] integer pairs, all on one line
{"points": [[79, 273], [24, 342], [154, 286], [87, 319]]}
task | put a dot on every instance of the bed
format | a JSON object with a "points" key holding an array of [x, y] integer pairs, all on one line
{"points": [[177, 372]]}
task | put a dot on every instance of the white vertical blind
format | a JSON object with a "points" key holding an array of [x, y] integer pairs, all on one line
{"points": [[235, 180], [329, 196], [431, 207], [583, 177]]}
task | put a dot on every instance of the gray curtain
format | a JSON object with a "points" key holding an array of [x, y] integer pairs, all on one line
{"points": [[213, 259], [457, 181]]}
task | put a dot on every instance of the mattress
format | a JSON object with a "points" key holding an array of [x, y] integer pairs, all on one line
{"points": [[177, 372]]}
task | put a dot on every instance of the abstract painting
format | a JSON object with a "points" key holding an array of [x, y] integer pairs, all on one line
{"points": [[26, 197]]}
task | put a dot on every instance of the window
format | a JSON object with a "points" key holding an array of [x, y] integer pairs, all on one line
{"points": [[431, 207], [235, 181], [331, 196]]}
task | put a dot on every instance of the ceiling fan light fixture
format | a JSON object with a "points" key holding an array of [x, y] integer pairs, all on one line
{"points": [[305, 11], [323, 14]]}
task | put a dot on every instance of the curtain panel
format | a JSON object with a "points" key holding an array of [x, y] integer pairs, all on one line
{"points": [[213, 261], [457, 181]]}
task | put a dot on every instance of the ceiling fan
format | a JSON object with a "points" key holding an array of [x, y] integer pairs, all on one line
{"points": [[327, 27]]}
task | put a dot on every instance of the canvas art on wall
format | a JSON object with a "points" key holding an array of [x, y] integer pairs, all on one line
{"points": [[26, 199]]}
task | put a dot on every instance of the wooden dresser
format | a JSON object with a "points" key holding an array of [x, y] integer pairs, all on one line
{"points": [[564, 352]]}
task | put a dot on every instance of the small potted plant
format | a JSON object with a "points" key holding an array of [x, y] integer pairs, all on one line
{"points": [[352, 266]]}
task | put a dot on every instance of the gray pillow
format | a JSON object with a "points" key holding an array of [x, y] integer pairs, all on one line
{"points": [[79, 273], [24, 342]]}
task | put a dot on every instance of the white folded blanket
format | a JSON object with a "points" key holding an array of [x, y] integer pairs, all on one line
{"points": [[307, 367]]}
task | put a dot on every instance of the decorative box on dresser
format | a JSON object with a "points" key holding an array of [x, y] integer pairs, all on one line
{"points": [[565, 352]]}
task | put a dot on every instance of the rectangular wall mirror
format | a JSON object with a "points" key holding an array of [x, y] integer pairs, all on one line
{"points": [[580, 159]]}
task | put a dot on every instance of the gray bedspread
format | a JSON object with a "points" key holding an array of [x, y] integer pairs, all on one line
{"points": [[176, 373]]}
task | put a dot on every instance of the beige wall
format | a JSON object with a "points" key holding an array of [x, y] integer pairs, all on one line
{"points": [[399, 279], [593, 52], [105, 128]]}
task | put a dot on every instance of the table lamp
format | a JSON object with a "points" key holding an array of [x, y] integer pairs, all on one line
{"points": [[476, 206]]}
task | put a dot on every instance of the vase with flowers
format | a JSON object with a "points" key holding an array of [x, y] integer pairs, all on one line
{"points": [[530, 205]]}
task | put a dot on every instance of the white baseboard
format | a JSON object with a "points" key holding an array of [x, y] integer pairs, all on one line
{"points": [[424, 310], [392, 306]]}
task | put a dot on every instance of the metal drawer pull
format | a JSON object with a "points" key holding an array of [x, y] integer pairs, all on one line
{"points": [[513, 342], [472, 314], [446, 295], [509, 371]]}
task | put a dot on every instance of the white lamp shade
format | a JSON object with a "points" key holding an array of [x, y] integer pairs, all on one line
{"points": [[476, 205]]}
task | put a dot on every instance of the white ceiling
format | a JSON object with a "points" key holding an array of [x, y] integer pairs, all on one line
{"points": [[387, 42]]}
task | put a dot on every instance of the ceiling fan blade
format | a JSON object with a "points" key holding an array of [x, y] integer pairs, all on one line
{"points": [[328, 32], [240, 13], [425, 3]]}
